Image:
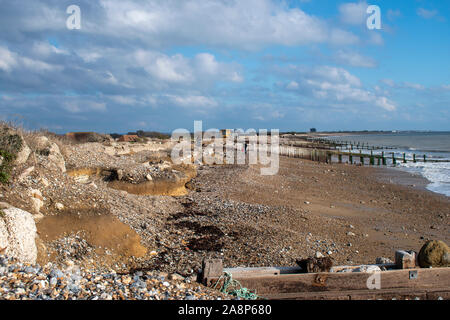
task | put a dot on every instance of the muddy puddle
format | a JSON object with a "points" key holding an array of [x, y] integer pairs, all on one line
{"points": [[103, 235]]}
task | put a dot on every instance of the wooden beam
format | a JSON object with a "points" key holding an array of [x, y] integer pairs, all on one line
{"points": [[264, 271], [319, 282], [400, 294]]}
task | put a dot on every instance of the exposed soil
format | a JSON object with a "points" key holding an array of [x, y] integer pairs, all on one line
{"points": [[114, 241]]}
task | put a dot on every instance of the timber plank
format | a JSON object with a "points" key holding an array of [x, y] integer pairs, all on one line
{"points": [[399, 294], [317, 282]]}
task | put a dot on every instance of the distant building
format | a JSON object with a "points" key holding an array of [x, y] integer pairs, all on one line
{"points": [[313, 130], [226, 132], [128, 138]]}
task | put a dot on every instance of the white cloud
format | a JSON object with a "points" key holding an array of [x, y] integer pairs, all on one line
{"points": [[179, 69], [45, 49], [74, 105], [403, 85], [354, 59], [375, 38], [336, 75], [386, 104], [342, 37], [292, 85], [427, 14], [388, 82], [415, 86], [336, 85], [247, 24], [353, 13], [8, 59], [194, 101], [392, 14]]}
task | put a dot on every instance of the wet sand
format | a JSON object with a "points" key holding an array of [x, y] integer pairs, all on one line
{"points": [[356, 213]]}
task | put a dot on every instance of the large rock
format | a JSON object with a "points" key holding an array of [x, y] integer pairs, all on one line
{"points": [[434, 254], [23, 154], [53, 152], [37, 200], [13, 142], [18, 234]]}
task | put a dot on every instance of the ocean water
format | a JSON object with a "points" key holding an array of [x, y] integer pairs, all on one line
{"points": [[435, 145]]}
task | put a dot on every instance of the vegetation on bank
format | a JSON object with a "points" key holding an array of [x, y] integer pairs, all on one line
{"points": [[10, 145]]}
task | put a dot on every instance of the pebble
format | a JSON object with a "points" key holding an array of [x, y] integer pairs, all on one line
{"points": [[21, 281], [319, 255]]}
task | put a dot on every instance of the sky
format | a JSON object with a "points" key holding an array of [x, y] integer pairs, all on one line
{"points": [[159, 65]]}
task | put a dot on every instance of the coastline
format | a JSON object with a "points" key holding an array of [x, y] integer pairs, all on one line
{"points": [[355, 213]]}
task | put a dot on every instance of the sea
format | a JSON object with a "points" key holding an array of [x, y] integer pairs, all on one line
{"points": [[435, 145]]}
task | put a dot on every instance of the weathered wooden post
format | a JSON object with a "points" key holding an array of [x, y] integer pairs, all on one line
{"points": [[404, 157], [414, 158], [350, 157], [424, 158], [372, 159], [361, 160], [340, 157], [394, 161], [383, 158], [211, 268]]}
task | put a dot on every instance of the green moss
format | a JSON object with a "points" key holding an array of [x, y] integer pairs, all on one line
{"points": [[10, 145], [5, 167]]}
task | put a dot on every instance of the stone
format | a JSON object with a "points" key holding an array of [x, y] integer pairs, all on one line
{"points": [[351, 234], [434, 254], [19, 230], [405, 259], [56, 157], [368, 268], [59, 206], [383, 260], [149, 177], [314, 265], [37, 201], [53, 151], [25, 173], [175, 276], [45, 182], [23, 154], [119, 174], [319, 255]]}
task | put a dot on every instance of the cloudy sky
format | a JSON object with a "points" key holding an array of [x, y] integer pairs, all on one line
{"points": [[161, 64]]}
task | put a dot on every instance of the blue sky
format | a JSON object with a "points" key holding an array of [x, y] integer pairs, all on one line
{"points": [[161, 64]]}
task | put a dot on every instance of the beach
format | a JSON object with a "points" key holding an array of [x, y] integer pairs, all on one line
{"points": [[124, 208], [355, 214]]}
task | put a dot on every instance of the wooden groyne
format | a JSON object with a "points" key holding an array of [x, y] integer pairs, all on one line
{"points": [[352, 152], [400, 280], [338, 156], [347, 145]]}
